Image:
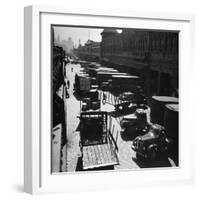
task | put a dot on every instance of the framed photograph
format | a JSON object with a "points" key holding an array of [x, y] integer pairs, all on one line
{"points": [[107, 100]]}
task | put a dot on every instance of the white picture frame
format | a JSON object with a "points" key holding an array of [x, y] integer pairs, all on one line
{"points": [[37, 173]]}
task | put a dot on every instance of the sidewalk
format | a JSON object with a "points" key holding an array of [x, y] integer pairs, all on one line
{"points": [[71, 150]]}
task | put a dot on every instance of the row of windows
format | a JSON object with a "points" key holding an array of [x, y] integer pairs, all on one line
{"points": [[165, 43]]}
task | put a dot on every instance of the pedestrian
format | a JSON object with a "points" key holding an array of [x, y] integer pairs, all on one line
{"points": [[68, 84], [104, 98], [66, 93]]}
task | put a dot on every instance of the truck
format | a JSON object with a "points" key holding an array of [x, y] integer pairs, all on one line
{"points": [[125, 83], [97, 145], [134, 124], [138, 96], [129, 106], [155, 142], [90, 100], [82, 83], [129, 101], [157, 105], [171, 123]]}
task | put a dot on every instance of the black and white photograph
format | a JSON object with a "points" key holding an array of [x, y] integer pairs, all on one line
{"points": [[114, 98]]}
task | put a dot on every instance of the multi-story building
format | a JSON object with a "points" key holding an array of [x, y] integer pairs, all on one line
{"points": [[90, 51], [68, 45], [151, 54], [58, 133]]}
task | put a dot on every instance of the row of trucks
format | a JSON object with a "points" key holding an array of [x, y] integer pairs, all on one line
{"points": [[127, 88], [157, 135], [150, 137], [98, 147], [110, 78], [87, 91]]}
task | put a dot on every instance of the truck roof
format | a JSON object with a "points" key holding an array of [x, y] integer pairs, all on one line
{"points": [[106, 69], [165, 99], [173, 107], [111, 73], [125, 76], [130, 116]]}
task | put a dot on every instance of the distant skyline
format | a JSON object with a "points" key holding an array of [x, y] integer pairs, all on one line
{"points": [[82, 34]]}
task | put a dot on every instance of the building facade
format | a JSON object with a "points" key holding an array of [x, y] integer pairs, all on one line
{"points": [[90, 51], [151, 54]]}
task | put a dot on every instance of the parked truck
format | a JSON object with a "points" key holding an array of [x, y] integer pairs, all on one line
{"points": [[125, 83], [160, 139], [171, 123], [155, 142], [134, 124], [82, 83], [90, 100], [97, 145], [157, 104]]}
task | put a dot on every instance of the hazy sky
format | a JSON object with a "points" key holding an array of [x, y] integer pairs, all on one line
{"points": [[78, 33]]}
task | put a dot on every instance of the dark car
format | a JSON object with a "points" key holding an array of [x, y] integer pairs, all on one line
{"points": [[153, 143]]}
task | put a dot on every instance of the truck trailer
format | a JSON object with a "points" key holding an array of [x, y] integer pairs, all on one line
{"points": [[97, 145]]}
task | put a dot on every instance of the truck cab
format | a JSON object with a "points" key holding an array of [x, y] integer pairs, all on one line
{"points": [[154, 142], [90, 100]]}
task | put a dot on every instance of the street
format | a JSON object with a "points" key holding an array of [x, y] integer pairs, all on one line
{"points": [[71, 151]]}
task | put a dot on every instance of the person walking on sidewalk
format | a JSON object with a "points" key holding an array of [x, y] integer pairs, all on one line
{"points": [[104, 98], [68, 84]]}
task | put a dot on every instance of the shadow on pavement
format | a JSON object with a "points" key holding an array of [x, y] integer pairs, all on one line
{"points": [[78, 97], [162, 161], [79, 166], [78, 127], [127, 136]]}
